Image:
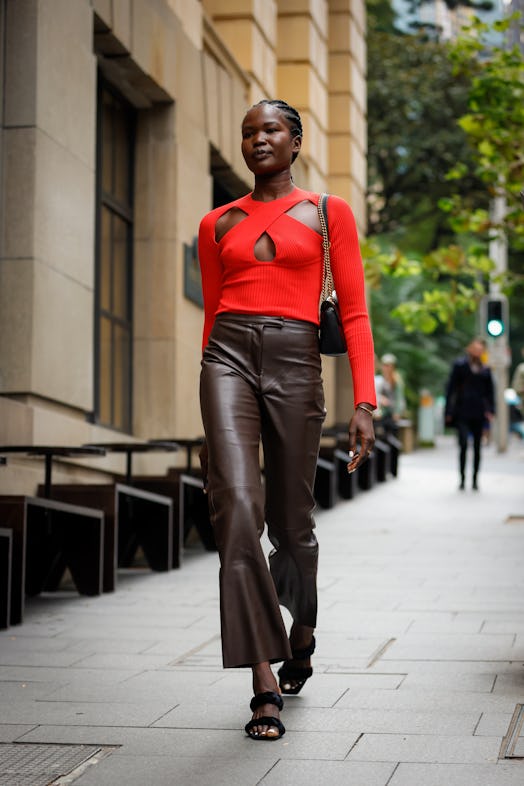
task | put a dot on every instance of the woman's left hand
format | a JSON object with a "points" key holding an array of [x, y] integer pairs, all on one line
{"points": [[361, 436]]}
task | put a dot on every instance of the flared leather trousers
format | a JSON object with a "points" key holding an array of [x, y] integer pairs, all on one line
{"points": [[261, 383]]}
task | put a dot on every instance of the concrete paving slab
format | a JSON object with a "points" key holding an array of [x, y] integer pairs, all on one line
{"points": [[113, 660], [21, 692], [18, 644], [426, 748], [512, 684], [106, 713], [63, 674], [455, 679], [314, 773], [51, 658], [458, 775], [10, 731], [168, 770], [425, 699], [417, 646], [494, 724], [380, 721]]}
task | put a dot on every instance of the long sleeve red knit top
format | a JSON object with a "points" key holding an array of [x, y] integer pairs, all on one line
{"points": [[235, 281]]}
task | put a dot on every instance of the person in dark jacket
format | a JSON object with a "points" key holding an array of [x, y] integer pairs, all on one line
{"points": [[470, 403]]}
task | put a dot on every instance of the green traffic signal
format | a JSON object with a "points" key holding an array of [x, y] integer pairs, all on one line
{"points": [[495, 318]]}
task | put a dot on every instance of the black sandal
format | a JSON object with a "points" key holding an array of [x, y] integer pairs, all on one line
{"points": [[269, 697], [289, 673]]}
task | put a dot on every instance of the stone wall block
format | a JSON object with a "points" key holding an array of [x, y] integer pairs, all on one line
{"points": [[293, 83], [358, 127], [64, 211], [295, 34], [299, 40], [155, 175], [339, 155], [210, 74], [21, 23], [19, 165], [16, 324], [154, 33], [352, 192], [340, 72], [249, 46], [358, 13], [188, 421], [65, 62], [339, 110], [358, 166], [189, 80], [62, 366], [104, 9], [154, 386], [189, 13], [240, 107], [339, 32], [262, 12], [225, 115], [122, 24], [154, 289], [316, 9], [16, 423], [357, 47]]}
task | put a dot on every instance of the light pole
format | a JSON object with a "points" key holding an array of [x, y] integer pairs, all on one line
{"points": [[498, 344]]}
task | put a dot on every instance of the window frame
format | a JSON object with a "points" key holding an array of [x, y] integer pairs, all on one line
{"points": [[125, 212]]}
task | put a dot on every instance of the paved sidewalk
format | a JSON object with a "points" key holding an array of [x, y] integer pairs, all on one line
{"points": [[418, 671]]}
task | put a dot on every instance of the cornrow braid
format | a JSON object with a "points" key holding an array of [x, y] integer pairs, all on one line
{"points": [[291, 115]]}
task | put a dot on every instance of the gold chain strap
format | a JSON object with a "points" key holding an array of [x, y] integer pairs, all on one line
{"points": [[327, 279]]}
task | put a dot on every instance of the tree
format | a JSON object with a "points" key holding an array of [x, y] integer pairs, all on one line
{"points": [[457, 273], [414, 103]]}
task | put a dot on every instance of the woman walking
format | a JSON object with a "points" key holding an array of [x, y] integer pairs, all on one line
{"points": [[261, 260]]}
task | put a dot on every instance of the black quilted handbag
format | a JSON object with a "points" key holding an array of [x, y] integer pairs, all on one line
{"points": [[331, 333]]}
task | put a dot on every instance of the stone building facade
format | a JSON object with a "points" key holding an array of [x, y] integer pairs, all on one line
{"points": [[119, 129]]}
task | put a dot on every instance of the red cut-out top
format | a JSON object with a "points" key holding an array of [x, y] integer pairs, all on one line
{"points": [[290, 284]]}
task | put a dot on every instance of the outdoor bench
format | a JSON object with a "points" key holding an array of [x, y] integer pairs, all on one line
{"points": [[134, 518], [49, 537]]}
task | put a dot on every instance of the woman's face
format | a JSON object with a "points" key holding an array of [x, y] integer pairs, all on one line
{"points": [[267, 144]]}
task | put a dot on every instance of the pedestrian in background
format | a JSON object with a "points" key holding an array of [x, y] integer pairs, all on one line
{"points": [[517, 382], [470, 404], [261, 258], [391, 402]]}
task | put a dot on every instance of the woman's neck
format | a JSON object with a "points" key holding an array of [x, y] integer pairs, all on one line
{"points": [[273, 186]]}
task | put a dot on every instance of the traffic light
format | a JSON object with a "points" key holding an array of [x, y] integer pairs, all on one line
{"points": [[494, 318], [495, 313]]}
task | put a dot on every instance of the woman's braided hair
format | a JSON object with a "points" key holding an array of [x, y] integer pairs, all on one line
{"points": [[291, 115]]}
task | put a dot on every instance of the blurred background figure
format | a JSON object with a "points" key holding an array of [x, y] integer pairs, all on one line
{"points": [[391, 401], [517, 382], [470, 403], [515, 399]]}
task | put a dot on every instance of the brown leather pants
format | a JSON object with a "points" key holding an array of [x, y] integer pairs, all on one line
{"points": [[261, 380]]}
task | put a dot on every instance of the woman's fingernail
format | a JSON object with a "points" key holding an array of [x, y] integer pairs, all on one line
{"points": [[351, 453]]}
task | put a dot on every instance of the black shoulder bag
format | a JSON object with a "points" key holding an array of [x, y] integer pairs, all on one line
{"points": [[331, 334]]}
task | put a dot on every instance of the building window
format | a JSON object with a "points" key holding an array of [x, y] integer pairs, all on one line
{"points": [[114, 260]]}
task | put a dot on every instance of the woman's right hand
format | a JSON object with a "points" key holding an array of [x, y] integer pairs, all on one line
{"points": [[203, 456]]}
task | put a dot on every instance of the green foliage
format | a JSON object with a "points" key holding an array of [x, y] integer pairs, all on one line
{"points": [[494, 125], [475, 152], [414, 102]]}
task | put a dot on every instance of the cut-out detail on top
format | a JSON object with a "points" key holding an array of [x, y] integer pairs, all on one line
{"points": [[265, 250], [257, 224], [229, 221]]}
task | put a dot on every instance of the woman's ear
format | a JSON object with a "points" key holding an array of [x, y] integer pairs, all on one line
{"points": [[296, 144]]}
